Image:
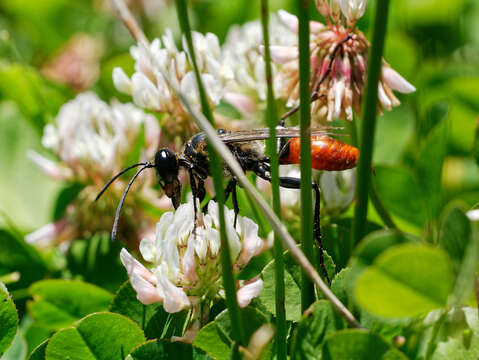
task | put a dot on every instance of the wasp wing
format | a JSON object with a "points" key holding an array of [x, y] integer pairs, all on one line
{"points": [[281, 132]]}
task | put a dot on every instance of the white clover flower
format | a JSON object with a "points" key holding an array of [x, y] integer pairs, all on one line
{"points": [[92, 141], [242, 50], [151, 91], [186, 259], [89, 136], [342, 89]]}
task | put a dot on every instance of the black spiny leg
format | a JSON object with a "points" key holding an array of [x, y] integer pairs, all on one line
{"points": [[295, 183], [194, 191]]}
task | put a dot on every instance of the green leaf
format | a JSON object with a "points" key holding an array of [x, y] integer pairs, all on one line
{"points": [[59, 303], [401, 193], [404, 281], [461, 242], [96, 336], [16, 255], [252, 320], [96, 260], [17, 350], [342, 286], [8, 319], [429, 167], [211, 340], [358, 345], [164, 349], [33, 95], [475, 147], [39, 352], [65, 197], [463, 341], [337, 237], [455, 234], [153, 319], [292, 279], [377, 242], [319, 321]]}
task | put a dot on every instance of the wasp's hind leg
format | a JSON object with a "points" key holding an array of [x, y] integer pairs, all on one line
{"points": [[295, 183]]}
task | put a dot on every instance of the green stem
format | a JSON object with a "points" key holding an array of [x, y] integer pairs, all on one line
{"points": [[307, 287], [216, 170], [271, 119], [368, 122]]}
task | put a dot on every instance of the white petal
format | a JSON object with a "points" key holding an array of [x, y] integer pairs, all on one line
{"points": [[233, 240], [473, 215], [353, 9], [134, 266], [396, 81], [214, 241], [145, 93], [338, 97], [145, 291], [189, 263], [289, 20], [243, 103], [148, 250], [121, 81], [383, 98], [248, 292], [49, 167], [213, 87], [175, 298], [282, 54], [252, 243], [46, 236]]}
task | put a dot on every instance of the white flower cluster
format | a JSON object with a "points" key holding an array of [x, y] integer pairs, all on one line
{"points": [[92, 138], [150, 89], [185, 258], [242, 50]]}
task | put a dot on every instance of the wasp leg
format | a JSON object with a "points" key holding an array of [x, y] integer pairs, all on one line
{"points": [[194, 191], [295, 183], [235, 199]]}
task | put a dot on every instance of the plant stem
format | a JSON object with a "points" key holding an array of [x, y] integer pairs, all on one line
{"points": [[271, 119], [368, 122], [216, 169], [307, 287]]}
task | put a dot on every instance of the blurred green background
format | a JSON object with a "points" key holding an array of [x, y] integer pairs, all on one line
{"points": [[432, 43]]}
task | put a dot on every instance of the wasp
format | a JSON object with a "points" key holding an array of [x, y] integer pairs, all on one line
{"points": [[249, 149]]}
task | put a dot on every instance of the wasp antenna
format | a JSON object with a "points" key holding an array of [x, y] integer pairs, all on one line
{"points": [[122, 200], [116, 177]]}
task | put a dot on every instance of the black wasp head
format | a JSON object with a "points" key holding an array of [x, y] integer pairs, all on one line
{"points": [[167, 168]]}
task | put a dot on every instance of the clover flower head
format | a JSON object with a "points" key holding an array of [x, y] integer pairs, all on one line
{"points": [[185, 259], [338, 65], [92, 141], [150, 90], [242, 50]]}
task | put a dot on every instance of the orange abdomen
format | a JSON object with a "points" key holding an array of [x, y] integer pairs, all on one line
{"points": [[327, 153]]}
